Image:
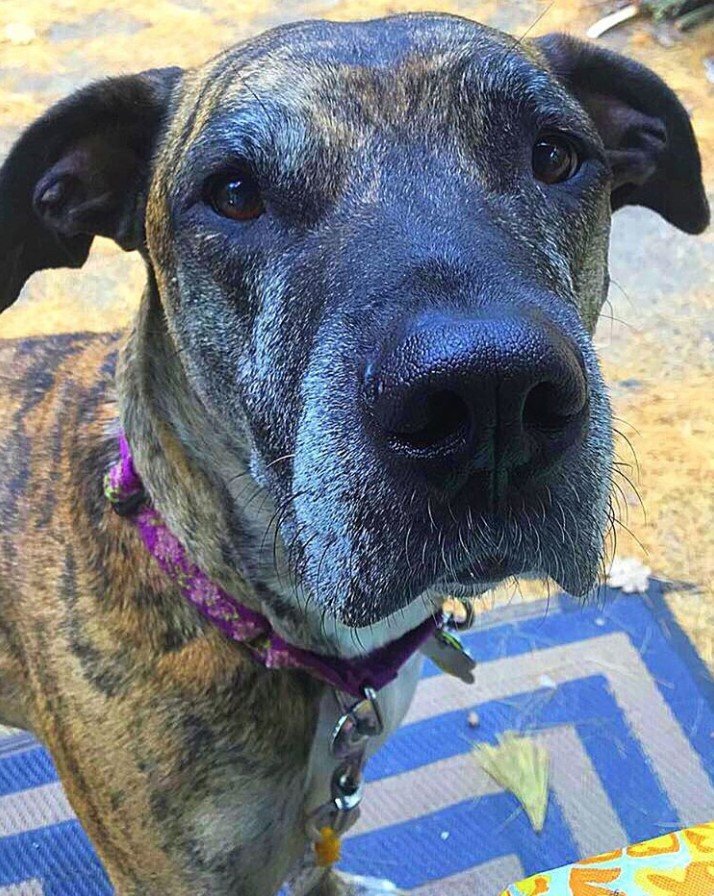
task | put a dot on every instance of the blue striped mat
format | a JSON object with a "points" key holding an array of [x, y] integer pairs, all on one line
{"points": [[614, 691]]}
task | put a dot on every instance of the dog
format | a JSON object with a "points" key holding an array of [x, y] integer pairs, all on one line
{"points": [[361, 377]]}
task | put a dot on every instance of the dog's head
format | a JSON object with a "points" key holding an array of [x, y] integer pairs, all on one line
{"points": [[381, 251]]}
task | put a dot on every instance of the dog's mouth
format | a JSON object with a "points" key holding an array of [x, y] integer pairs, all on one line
{"points": [[386, 559], [359, 608], [359, 584], [479, 576], [529, 550]]}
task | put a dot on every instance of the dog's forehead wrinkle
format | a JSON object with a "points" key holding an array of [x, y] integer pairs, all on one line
{"points": [[274, 139], [339, 97], [343, 90]]}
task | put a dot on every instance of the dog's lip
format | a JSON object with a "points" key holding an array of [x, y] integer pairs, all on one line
{"points": [[483, 572], [468, 590], [472, 580]]}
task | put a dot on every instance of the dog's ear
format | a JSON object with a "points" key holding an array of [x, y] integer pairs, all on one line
{"points": [[646, 130], [81, 170]]}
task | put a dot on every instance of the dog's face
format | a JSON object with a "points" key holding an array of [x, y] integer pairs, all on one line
{"points": [[381, 250]]}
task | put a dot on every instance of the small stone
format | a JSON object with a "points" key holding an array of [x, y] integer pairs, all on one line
{"points": [[629, 574], [19, 33], [665, 34], [545, 681], [600, 621], [444, 835], [473, 719], [631, 383]]}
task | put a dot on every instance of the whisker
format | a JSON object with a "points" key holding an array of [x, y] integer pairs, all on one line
{"points": [[519, 40]]}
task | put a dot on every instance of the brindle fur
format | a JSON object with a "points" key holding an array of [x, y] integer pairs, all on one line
{"points": [[185, 761], [154, 720]]}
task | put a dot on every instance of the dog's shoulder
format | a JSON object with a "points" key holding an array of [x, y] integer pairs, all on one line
{"points": [[33, 364], [45, 383], [51, 390], [48, 385]]}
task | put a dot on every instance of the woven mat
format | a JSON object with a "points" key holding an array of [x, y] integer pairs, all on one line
{"points": [[614, 691]]}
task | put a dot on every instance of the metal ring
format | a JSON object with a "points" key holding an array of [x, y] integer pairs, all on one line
{"points": [[361, 721], [346, 786]]}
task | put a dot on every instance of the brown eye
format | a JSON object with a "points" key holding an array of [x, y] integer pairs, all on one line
{"points": [[235, 196], [555, 159]]}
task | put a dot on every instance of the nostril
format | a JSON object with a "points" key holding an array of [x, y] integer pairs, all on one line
{"points": [[548, 409], [446, 422]]}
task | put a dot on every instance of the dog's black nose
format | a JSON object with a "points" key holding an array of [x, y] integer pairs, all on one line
{"points": [[497, 393]]}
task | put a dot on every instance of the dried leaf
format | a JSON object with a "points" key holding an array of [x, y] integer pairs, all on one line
{"points": [[520, 766]]}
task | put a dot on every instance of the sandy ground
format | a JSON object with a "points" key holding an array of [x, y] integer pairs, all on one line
{"points": [[655, 334]]}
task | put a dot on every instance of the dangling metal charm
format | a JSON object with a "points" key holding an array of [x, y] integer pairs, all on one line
{"points": [[459, 613], [447, 652]]}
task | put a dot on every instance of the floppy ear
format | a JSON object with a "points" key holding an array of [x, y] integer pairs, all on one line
{"points": [[80, 171], [646, 130]]}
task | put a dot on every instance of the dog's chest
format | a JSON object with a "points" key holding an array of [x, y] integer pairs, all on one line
{"points": [[285, 792]]}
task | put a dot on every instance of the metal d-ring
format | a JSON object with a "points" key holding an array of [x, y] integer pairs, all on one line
{"points": [[360, 722]]}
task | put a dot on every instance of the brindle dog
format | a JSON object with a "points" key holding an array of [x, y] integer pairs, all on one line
{"points": [[361, 375]]}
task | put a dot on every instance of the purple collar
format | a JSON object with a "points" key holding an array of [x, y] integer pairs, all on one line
{"points": [[125, 490]]}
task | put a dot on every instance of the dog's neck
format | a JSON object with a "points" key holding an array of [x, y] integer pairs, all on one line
{"points": [[177, 445], [197, 476]]}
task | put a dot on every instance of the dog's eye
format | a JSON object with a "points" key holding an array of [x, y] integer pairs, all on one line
{"points": [[235, 195], [555, 159]]}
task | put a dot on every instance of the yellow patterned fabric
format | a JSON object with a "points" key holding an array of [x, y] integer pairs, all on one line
{"points": [[680, 864]]}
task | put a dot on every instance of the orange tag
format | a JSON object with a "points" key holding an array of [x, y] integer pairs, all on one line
{"points": [[327, 848]]}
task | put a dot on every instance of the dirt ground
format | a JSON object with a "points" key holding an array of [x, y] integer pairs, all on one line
{"points": [[654, 337]]}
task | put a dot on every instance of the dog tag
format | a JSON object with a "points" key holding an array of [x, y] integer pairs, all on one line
{"points": [[448, 653]]}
